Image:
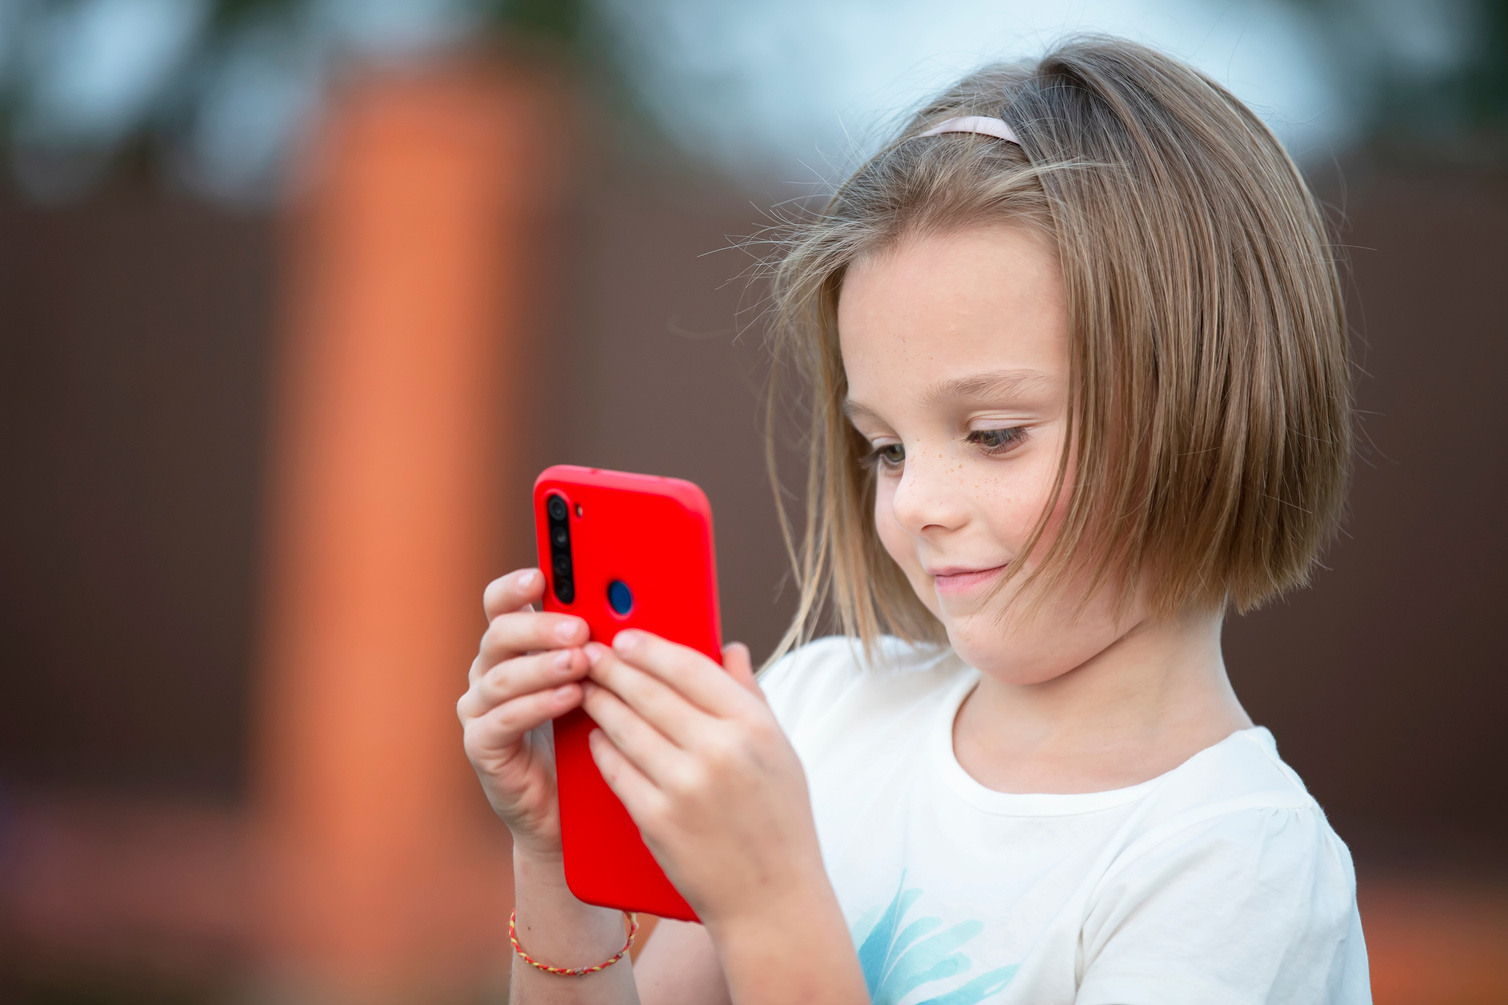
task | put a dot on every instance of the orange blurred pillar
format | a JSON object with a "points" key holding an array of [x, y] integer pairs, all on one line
{"points": [[414, 289]]}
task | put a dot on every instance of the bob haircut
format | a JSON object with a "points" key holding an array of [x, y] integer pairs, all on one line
{"points": [[1209, 403]]}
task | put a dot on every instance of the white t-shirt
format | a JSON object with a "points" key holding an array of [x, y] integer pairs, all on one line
{"points": [[1218, 882]]}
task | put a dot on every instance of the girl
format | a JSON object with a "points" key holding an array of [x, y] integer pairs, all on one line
{"points": [[1079, 385]]}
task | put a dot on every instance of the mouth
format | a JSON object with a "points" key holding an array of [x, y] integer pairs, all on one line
{"points": [[957, 580]]}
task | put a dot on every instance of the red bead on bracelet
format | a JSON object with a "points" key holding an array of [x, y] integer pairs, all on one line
{"points": [[633, 929]]}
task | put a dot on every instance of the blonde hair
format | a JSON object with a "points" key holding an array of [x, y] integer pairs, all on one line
{"points": [[1209, 377]]}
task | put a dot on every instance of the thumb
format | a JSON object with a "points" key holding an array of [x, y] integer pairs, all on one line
{"points": [[740, 666]]}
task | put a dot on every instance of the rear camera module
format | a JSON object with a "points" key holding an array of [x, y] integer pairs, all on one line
{"points": [[560, 548]]}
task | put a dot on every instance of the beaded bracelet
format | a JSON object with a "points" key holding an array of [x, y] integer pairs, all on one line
{"points": [[633, 922]]}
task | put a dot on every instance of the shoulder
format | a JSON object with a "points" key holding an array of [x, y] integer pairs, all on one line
{"points": [[1242, 771], [1267, 849], [1238, 798], [1234, 867], [819, 677], [1234, 783]]}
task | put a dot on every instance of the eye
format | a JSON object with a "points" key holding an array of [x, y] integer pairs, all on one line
{"points": [[888, 457], [997, 441]]}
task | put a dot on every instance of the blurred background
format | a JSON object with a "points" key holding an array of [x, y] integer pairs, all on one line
{"points": [[297, 296]]}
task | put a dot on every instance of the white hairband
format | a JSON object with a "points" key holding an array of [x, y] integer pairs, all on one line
{"points": [[975, 124]]}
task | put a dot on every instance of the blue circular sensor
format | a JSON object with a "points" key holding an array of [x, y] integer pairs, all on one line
{"points": [[619, 597]]}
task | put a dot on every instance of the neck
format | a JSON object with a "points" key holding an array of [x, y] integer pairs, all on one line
{"points": [[1140, 707]]}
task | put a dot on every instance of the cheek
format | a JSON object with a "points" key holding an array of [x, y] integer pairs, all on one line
{"points": [[1023, 497], [1055, 517], [1060, 504]]}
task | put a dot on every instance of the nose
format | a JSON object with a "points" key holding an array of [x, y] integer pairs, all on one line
{"points": [[926, 500]]}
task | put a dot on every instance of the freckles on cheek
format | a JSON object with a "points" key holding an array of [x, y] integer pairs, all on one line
{"points": [[1012, 501]]}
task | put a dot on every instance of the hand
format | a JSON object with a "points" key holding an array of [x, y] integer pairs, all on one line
{"points": [[696, 756], [526, 672]]}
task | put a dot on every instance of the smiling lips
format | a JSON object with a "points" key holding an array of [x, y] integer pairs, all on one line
{"points": [[955, 580]]}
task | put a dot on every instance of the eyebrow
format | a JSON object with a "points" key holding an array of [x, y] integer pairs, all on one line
{"points": [[993, 385]]}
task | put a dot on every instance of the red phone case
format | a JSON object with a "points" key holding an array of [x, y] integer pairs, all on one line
{"points": [[655, 535]]}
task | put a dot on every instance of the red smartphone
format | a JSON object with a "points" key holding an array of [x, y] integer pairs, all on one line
{"points": [[621, 551]]}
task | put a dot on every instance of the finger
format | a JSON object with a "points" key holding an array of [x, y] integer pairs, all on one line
{"points": [[648, 749], [513, 592], [505, 724], [656, 702], [687, 671], [521, 632], [634, 790], [740, 667], [519, 676]]}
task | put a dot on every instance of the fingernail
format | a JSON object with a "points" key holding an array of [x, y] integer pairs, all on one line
{"points": [[594, 651], [563, 692], [626, 640], [528, 578], [567, 630], [563, 659]]}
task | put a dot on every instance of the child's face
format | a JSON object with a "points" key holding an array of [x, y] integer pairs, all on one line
{"points": [[956, 352]]}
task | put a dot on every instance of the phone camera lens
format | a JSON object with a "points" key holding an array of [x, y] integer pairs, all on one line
{"points": [[558, 535], [565, 589], [557, 508], [619, 597]]}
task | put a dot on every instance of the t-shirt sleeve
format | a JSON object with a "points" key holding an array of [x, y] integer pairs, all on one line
{"points": [[1251, 906]]}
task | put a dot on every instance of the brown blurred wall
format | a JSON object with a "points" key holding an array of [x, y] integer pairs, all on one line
{"points": [[1386, 683], [133, 376], [133, 353]]}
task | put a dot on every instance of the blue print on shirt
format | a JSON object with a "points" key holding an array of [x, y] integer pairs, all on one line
{"points": [[898, 962]]}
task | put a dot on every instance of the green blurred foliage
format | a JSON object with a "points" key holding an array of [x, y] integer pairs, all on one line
{"points": [[1449, 107], [557, 20], [1423, 113]]}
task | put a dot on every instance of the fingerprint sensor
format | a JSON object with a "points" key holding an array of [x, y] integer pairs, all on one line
{"points": [[619, 597]]}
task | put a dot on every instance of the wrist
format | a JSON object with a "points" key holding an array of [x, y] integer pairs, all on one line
{"points": [[540, 838], [800, 888], [633, 930], [791, 948], [537, 861], [552, 928], [539, 882], [776, 912]]}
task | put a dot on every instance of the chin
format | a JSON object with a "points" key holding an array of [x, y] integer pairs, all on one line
{"points": [[998, 651]]}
